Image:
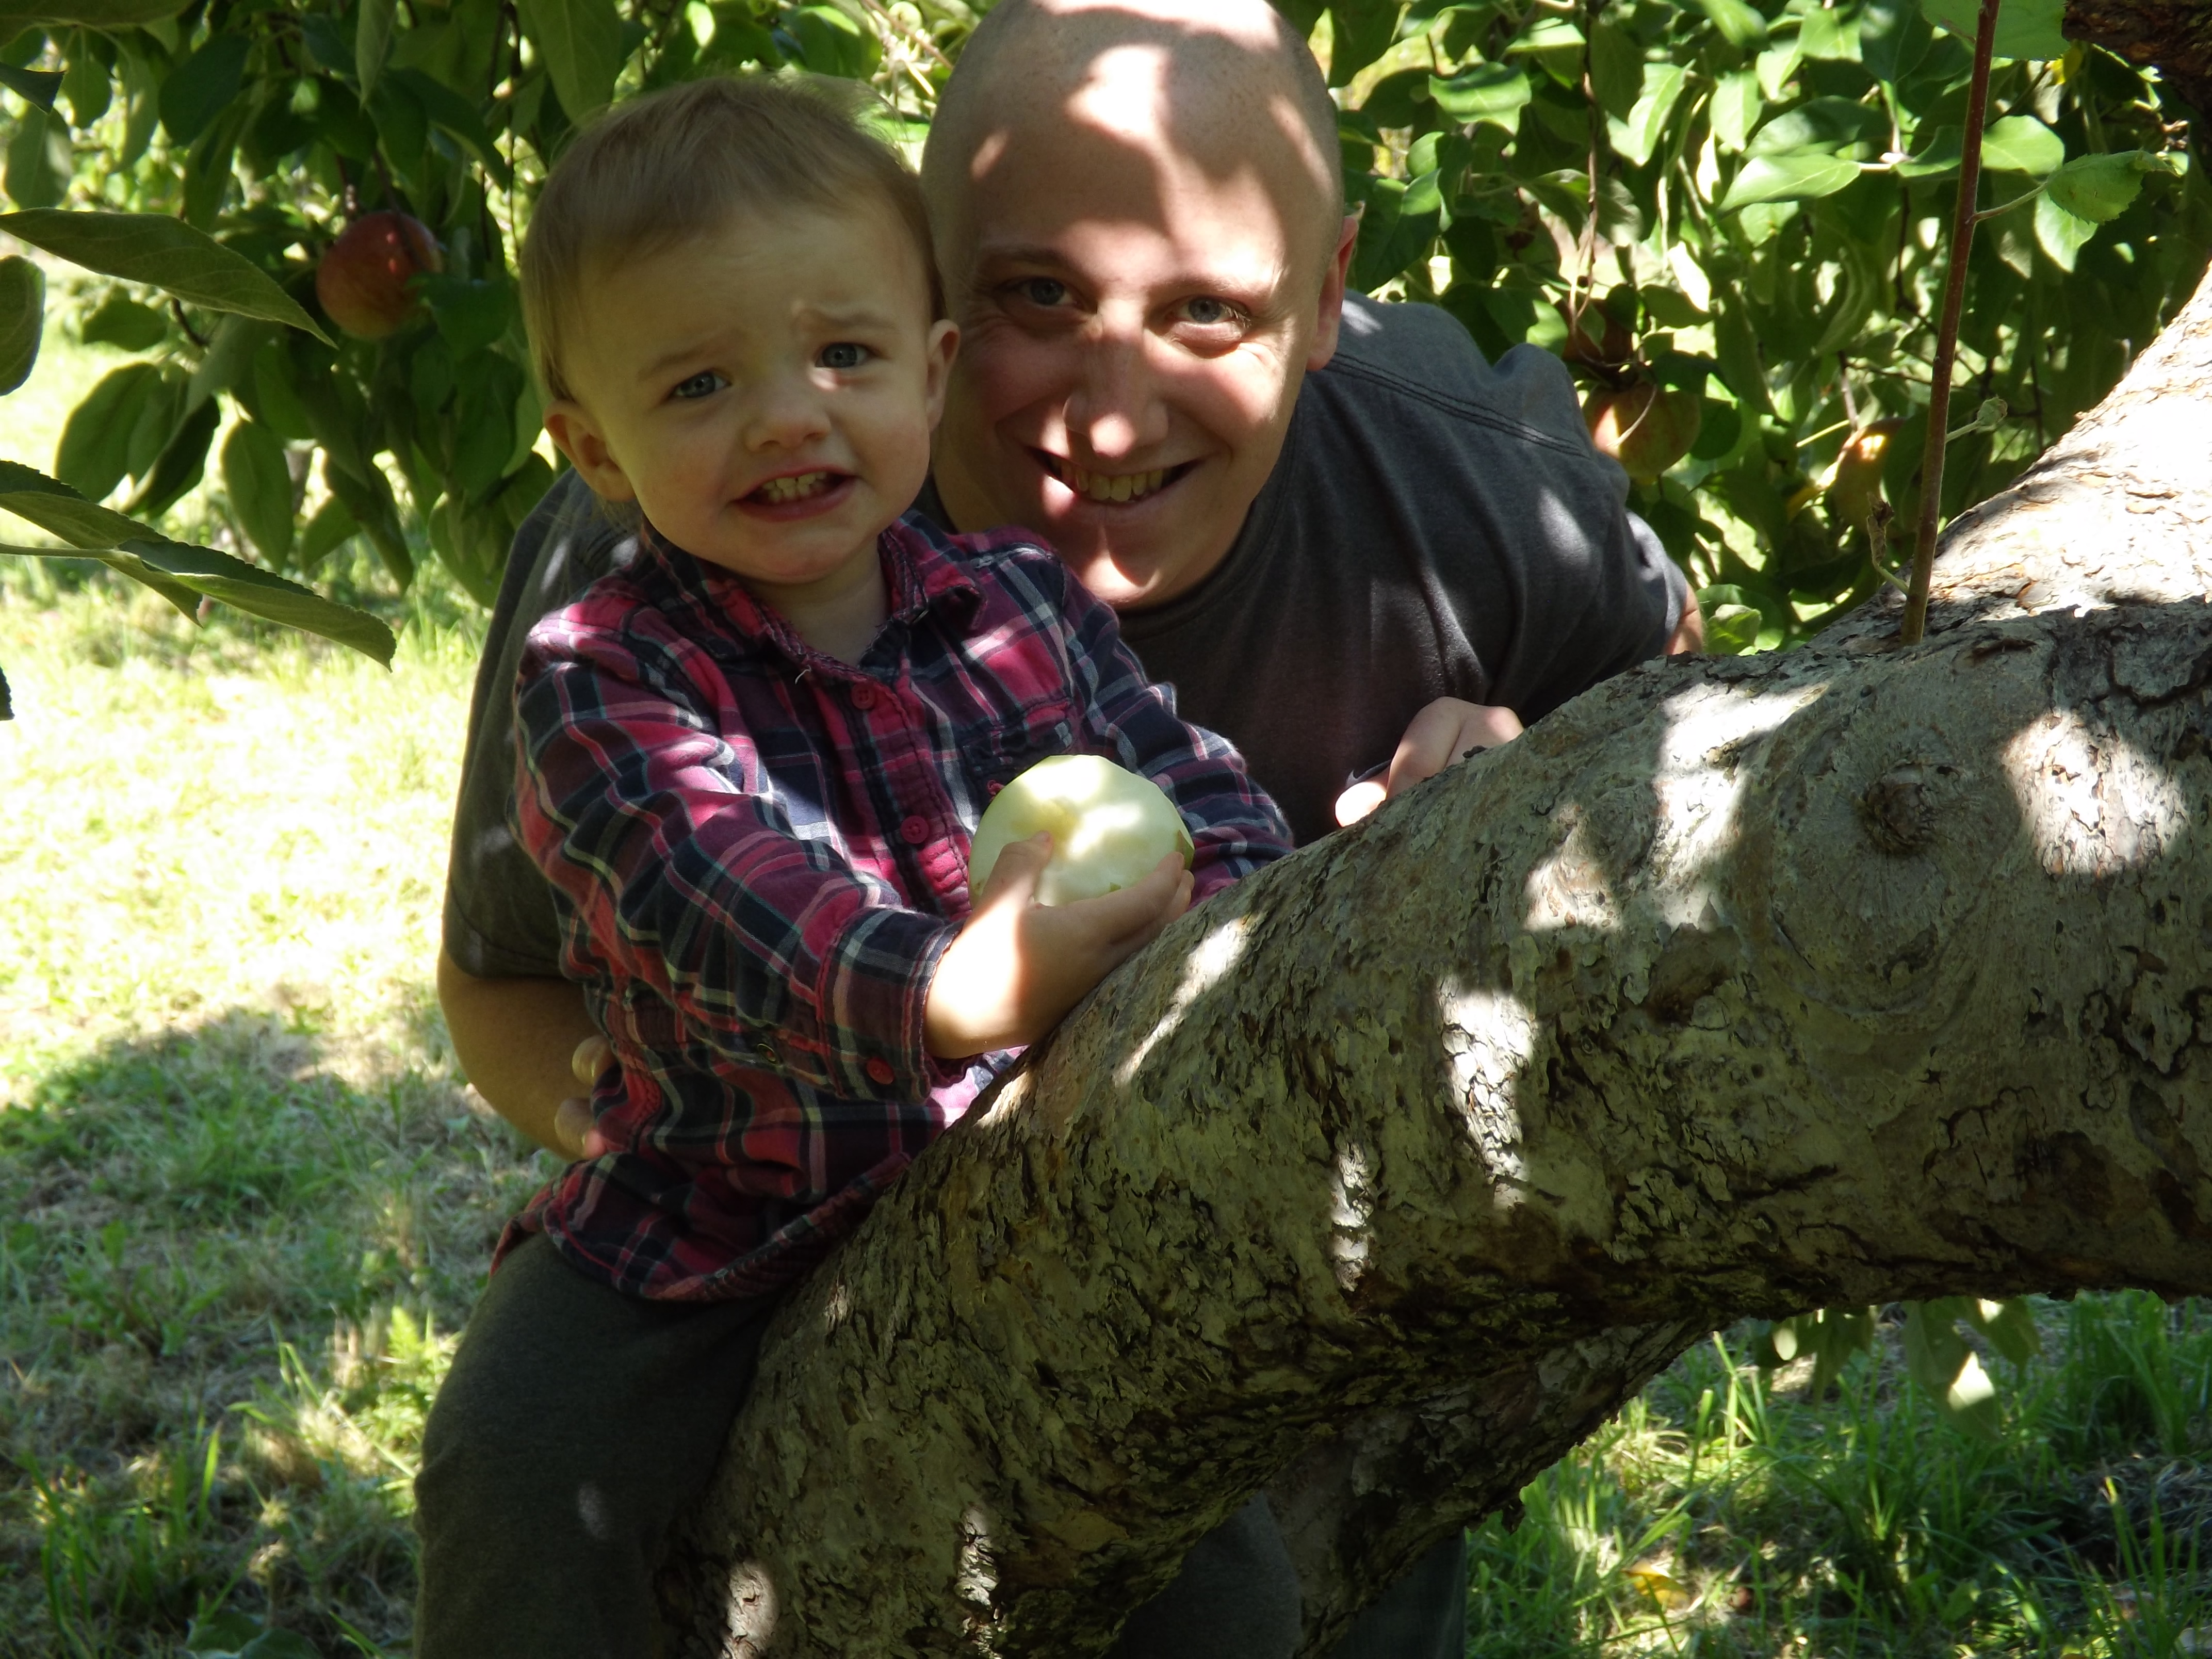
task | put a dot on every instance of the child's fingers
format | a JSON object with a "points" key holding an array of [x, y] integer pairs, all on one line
{"points": [[593, 1056], [1013, 878], [1130, 917]]}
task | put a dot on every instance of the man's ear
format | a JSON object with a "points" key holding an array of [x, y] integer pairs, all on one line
{"points": [[573, 434], [1331, 294], [943, 346]]}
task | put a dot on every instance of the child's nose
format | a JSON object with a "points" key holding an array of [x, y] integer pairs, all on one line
{"points": [[788, 413]]}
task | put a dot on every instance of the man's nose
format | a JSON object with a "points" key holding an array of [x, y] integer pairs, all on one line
{"points": [[1116, 409]]}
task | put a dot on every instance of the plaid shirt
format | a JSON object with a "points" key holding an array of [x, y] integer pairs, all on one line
{"points": [[759, 853]]}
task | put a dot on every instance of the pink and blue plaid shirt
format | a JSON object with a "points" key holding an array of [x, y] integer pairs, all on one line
{"points": [[759, 853]]}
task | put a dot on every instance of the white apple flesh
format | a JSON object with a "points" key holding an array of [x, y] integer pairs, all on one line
{"points": [[1109, 828]]}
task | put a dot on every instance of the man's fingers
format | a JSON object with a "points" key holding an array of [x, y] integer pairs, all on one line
{"points": [[571, 1125], [593, 1056], [1443, 733]]}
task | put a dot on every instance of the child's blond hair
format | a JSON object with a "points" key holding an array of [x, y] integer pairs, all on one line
{"points": [[683, 162]]}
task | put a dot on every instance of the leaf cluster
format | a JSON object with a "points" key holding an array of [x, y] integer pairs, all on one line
{"points": [[1725, 216]]}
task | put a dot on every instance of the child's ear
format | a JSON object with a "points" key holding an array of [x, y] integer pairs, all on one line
{"points": [[944, 345], [575, 435]]}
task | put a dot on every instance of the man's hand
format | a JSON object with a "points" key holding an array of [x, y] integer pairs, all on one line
{"points": [[1018, 966], [1441, 733], [572, 1120]]}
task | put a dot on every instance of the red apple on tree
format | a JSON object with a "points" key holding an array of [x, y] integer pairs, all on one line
{"points": [[364, 279], [1645, 426]]}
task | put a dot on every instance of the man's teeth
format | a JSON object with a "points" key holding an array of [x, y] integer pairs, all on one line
{"points": [[1119, 487], [796, 487]]}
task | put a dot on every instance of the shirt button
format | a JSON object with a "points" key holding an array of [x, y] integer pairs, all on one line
{"points": [[914, 832], [863, 696], [880, 1071]]}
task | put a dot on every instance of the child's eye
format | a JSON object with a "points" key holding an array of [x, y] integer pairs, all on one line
{"points": [[701, 385], [842, 354]]}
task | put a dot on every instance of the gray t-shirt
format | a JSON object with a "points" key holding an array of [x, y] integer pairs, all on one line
{"points": [[1437, 527]]}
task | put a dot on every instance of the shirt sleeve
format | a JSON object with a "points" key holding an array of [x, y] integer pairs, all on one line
{"points": [[498, 919], [769, 945], [1234, 827]]}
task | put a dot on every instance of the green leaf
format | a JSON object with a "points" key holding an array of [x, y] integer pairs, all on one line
{"points": [[1616, 66], [164, 253], [1737, 105], [60, 511], [329, 529], [2021, 143], [109, 14], [1731, 629], [1894, 37], [580, 41], [255, 473], [372, 41], [1943, 154], [182, 462], [1487, 91], [1819, 125], [2100, 188], [2061, 234], [1800, 177], [38, 86], [831, 42], [87, 83], [457, 115], [22, 316], [1646, 125], [203, 86], [94, 451], [1741, 26], [2026, 28], [38, 161], [2010, 1327], [122, 322]]}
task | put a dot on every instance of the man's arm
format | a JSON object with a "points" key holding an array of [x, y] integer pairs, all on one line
{"points": [[515, 1039]]}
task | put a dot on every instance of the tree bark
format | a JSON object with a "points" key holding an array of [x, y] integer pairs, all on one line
{"points": [[2174, 35], [1736, 986]]}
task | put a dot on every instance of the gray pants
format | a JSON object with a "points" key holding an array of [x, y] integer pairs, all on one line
{"points": [[577, 1423]]}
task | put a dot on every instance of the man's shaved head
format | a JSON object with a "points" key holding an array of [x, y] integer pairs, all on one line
{"points": [[1229, 86]]}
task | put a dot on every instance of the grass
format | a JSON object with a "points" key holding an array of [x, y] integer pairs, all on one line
{"points": [[246, 1201]]}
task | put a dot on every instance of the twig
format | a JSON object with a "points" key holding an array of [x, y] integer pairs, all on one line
{"points": [[1947, 335]]}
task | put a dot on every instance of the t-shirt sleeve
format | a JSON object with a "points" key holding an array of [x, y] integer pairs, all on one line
{"points": [[1234, 827], [499, 918], [773, 950]]}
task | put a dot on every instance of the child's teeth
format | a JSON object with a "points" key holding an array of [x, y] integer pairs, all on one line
{"points": [[1117, 487], [796, 487]]}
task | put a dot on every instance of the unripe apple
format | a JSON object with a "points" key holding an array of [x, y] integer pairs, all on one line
{"points": [[1645, 428], [364, 279], [1109, 828], [1595, 339]]}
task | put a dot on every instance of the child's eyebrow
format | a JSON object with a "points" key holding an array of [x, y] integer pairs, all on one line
{"points": [[865, 315]]}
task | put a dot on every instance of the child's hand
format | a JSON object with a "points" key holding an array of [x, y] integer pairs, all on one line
{"points": [[1018, 966]]}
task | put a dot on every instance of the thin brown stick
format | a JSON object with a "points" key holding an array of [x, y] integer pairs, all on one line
{"points": [[1946, 334]]}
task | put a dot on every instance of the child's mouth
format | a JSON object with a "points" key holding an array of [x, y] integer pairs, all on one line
{"points": [[1111, 488], [795, 487]]}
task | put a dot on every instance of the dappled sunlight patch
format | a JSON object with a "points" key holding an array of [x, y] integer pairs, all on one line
{"points": [[2094, 805], [1489, 1036]]}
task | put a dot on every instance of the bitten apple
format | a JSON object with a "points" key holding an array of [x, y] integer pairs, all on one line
{"points": [[363, 280], [1109, 828]]}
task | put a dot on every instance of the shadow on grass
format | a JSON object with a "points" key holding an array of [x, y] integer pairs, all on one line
{"points": [[231, 1266]]}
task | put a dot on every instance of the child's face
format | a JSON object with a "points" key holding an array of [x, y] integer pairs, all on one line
{"points": [[765, 392]]}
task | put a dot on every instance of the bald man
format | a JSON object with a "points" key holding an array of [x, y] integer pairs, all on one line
{"points": [[1354, 548]]}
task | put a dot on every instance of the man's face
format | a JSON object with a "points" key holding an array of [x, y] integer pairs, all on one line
{"points": [[1134, 330]]}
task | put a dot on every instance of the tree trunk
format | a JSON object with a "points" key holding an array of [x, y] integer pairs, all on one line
{"points": [[1736, 986]]}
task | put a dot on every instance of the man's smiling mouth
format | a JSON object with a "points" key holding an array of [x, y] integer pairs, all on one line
{"points": [[1111, 487], [798, 487]]}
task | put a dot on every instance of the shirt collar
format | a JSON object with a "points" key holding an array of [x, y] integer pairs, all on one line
{"points": [[922, 567]]}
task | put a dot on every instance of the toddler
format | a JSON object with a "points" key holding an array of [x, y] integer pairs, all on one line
{"points": [[750, 765]]}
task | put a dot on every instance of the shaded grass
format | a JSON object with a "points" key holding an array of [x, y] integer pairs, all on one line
{"points": [[245, 1198]]}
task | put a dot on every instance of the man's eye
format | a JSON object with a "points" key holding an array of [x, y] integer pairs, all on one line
{"points": [[842, 354], [1208, 313], [1042, 291], [701, 385]]}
